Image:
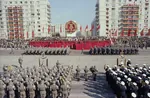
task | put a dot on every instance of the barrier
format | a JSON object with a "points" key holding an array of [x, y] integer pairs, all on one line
{"points": [[77, 45]]}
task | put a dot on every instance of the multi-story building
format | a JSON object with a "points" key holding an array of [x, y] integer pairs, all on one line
{"points": [[122, 15], [18, 17]]}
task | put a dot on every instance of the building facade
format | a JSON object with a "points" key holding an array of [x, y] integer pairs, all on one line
{"points": [[20, 18], [122, 15]]}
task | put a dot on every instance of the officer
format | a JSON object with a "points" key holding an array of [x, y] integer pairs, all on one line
{"points": [[20, 60], [78, 73], [86, 73], [22, 90], [53, 89], [94, 73], [12, 50], [43, 61]]}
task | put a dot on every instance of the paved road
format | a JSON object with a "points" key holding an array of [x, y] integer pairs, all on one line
{"points": [[81, 89]]}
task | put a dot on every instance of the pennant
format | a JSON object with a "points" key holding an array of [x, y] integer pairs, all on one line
{"points": [[54, 28], [49, 28], [80, 28], [32, 34], [98, 28], [129, 32], [43, 29], [92, 27], [135, 32], [115, 33], [142, 33], [27, 35], [86, 28], [122, 33], [60, 28], [148, 34]]}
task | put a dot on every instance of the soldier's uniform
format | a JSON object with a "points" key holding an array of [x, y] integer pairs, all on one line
{"points": [[2, 89], [78, 73], [10, 89], [53, 89], [64, 90], [42, 89], [31, 90], [86, 73], [22, 90], [20, 60]]}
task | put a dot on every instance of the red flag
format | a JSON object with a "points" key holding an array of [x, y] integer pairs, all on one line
{"points": [[122, 33], [148, 34], [135, 32], [129, 32], [115, 34], [86, 28], [32, 34], [27, 35], [54, 28], [142, 33], [60, 28], [98, 28], [80, 28], [49, 28], [92, 27]]}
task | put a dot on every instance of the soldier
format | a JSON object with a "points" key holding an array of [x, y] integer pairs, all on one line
{"points": [[86, 73], [31, 90], [43, 61], [2, 89], [94, 73], [78, 73], [42, 89], [128, 62], [10, 89], [12, 50], [20, 60], [22, 90], [64, 90], [53, 89]]}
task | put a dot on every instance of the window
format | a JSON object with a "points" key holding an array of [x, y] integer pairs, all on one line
{"points": [[39, 26], [26, 2], [21, 2], [38, 22], [38, 17], [39, 30], [16, 2], [10, 2], [38, 14]]}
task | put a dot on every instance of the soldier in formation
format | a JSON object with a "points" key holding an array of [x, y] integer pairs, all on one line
{"points": [[37, 82], [113, 50], [47, 51], [130, 82]]}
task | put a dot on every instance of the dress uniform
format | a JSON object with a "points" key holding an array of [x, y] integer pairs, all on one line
{"points": [[78, 73], [86, 73], [54, 89]]}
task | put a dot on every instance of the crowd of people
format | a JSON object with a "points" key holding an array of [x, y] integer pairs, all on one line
{"points": [[130, 81], [36, 82]]}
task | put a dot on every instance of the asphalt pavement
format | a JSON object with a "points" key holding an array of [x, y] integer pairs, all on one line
{"points": [[82, 89]]}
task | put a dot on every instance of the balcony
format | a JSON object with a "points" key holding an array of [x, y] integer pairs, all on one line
{"points": [[130, 19], [129, 27]]}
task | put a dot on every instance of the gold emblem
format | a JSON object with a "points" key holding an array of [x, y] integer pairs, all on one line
{"points": [[71, 27]]}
